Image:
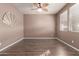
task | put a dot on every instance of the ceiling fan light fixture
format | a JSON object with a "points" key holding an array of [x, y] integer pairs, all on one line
{"points": [[39, 10], [40, 6]]}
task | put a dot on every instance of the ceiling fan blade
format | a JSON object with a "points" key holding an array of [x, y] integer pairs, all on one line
{"points": [[44, 4], [35, 5], [45, 9]]}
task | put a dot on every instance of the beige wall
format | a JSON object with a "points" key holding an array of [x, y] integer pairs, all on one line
{"points": [[67, 36], [39, 25], [14, 31]]}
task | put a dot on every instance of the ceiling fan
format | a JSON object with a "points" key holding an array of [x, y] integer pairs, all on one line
{"points": [[40, 6]]}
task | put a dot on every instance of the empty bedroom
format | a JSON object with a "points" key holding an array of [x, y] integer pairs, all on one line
{"points": [[39, 29]]}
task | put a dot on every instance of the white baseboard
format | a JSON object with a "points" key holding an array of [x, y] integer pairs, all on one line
{"points": [[39, 38], [11, 44], [68, 44]]}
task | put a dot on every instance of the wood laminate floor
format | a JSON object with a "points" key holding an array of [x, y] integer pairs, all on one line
{"points": [[39, 47]]}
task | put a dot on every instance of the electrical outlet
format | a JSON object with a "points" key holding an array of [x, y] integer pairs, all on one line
{"points": [[0, 43], [72, 41]]}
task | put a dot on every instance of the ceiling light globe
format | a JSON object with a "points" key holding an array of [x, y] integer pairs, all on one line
{"points": [[39, 9]]}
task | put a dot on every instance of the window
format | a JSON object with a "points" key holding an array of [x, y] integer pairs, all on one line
{"points": [[63, 21], [74, 18], [70, 22]]}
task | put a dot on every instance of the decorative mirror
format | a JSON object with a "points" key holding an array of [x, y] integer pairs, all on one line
{"points": [[7, 18]]}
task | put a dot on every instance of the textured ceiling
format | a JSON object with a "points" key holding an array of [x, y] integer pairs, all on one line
{"points": [[26, 8]]}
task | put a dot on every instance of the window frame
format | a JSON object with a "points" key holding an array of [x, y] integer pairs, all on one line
{"points": [[66, 13]]}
